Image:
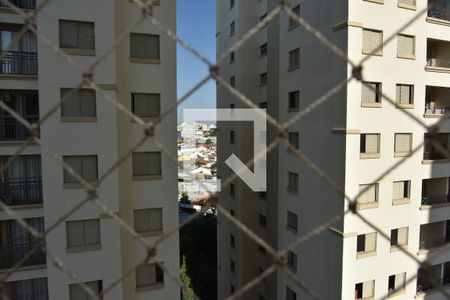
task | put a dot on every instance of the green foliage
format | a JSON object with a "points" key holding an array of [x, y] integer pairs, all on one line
{"points": [[198, 241], [208, 141], [185, 294], [185, 198]]}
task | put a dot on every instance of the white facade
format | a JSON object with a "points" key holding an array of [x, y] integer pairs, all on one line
{"points": [[339, 263], [105, 135]]}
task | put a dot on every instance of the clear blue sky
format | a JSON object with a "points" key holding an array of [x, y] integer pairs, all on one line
{"points": [[196, 24]]}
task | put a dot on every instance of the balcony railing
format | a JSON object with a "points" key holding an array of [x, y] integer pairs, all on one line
{"points": [[423, 286], [25, 4], [434, 243], [438, 63], [438, 13], [14, 252], [23, 192], [438, 199], [440, 110], [13, 130], [19, 63]]}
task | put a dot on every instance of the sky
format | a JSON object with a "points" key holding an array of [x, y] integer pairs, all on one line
{"points": [[196, 24]]}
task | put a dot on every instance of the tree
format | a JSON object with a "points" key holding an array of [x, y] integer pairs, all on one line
{"points": [[198, 243], [185, 293], [208, 141], [185, 198]]}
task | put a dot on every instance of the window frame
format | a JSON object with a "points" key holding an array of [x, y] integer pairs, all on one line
{"points": [[133, 105], [77, 23], [84, 244]]}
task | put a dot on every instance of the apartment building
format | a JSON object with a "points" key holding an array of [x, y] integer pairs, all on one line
{"points": [[354, 137], [90, 134]]}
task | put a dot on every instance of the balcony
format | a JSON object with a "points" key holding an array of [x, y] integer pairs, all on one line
{"points": [[21, 182], [21, 192], [19, 63], [25, 104], [24, 4], [436, 191], [17, 242], [438, 56], [438, 11], [13, 253], [433, 235], [31, 289], [440, 273], [437, 102], [436, 147]]}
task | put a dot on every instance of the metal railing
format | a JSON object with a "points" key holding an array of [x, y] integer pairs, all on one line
{"points": [[440, 110], [423, 286], [19, 63], [436, 199], [438, 13], [25, 4], [15, 251], [13, 130], [21, 192], [434, 243], [438, 63]]}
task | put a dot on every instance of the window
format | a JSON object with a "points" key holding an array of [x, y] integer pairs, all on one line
{"points": [[292, 221], [370, 93], [369, 145], [263, 105], [149, 274], [85, 166], [293, 182], [146, 105], [401, 190], [263, 50], [294, 59], [405, 94], [396, 283], [232, 212], [83, 233], [294, 100], [232, 28], [232, 137], [232, 266], [366, 243], [144, 46], [76, 292], [232, 241], [146, 163], [263, 79], [81, 103], [148, 220], [233, 81], [232, 3], [292, 22], [77, 35], [262, 220], [232, 289], [293, 139], [292, 260], [232, 57], [368, 193], [407, 2], [364, 290], [402, 144], [406, 46], [372, 42], [399, 236], [290, 294], [232, 189]]}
